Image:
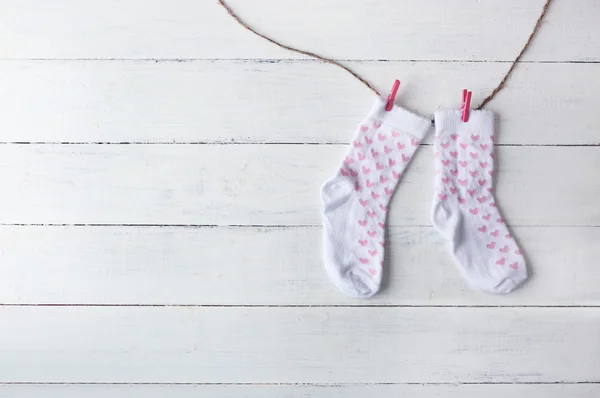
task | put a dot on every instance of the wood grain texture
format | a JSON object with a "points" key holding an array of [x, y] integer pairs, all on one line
{"points": [[299, 345], [264, 184], [231, 139], [296, 391], [271, 266], [279, 101], [384, 29]]}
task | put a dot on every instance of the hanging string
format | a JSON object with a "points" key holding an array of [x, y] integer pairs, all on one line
{"points": [[500, 86], [308, 53], [490, 97]]}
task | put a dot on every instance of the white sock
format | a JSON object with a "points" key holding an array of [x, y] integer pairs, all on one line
{"points": [[355, 200], [464, 208]]}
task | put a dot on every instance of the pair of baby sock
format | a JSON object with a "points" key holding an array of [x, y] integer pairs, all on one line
{"points": [[464, 211]]}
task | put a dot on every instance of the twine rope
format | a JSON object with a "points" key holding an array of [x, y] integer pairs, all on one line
{"points": [[490, 97]]}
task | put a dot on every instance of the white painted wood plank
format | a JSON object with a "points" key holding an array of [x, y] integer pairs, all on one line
{"points": [[299, 345], [385, 29], [271, 266], [264, 184], [81, 101], [294, 391]]}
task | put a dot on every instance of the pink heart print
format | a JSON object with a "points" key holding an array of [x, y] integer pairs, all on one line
{"points": [[368, 140], [362, 223], [400, 145], [395, 134], [391, 162], [388, 191], [501, 261], [374, 153], [363, 242], [491, 245], [357, 144], [361, 156], [364, 261], [414, 142], [405, 158], [371, 214], [366, 170], [364, 129], [381, 225], [445, 145], [474, 137], [387, 149], [463, 145], [370, 184], [371, 233], [363, 202], [381, 137], [376, 125], [374, 195], [348, 160], [379, 166]]}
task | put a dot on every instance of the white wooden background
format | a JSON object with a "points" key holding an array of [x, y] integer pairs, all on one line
{"points": [[160, 225]]}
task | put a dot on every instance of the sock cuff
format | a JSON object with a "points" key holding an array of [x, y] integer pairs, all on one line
{"points": [[450, 122], [400, 119]]}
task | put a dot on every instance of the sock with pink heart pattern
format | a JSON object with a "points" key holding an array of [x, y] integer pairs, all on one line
{"points": [[464, 209], [355, 200]]}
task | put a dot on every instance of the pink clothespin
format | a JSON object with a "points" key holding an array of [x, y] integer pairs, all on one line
{"points": [[465, 106], [392, 96]]}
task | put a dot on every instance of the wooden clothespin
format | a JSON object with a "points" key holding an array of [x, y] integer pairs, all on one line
{"points": [[392, 96], [465, 106]]}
